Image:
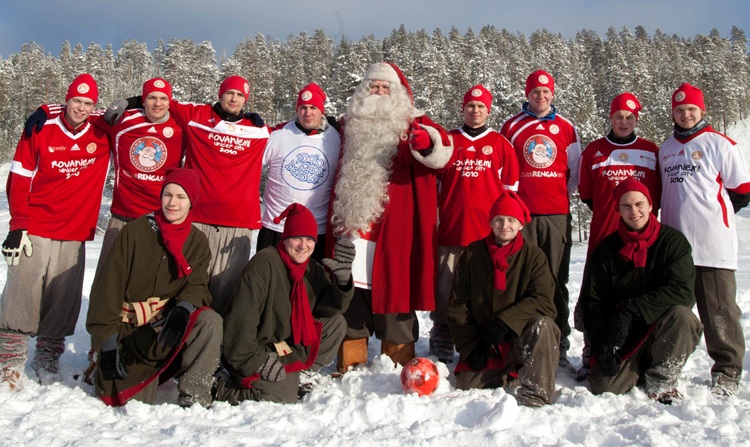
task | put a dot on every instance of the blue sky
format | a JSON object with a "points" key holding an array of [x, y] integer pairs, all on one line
{"points": [[227, 23]]}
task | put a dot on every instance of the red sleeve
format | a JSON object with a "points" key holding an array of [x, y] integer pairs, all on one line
{"points": [[18, 185], [510, 171]]}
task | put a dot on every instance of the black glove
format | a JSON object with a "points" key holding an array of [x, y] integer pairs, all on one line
{"points": [[609, 361], [16, 242], [114, 113], [622, 322], [496, 332], [341, 264], [109, 359], [175, 325], [272, 370], [37, 120], [479, 356], [255, 118]]}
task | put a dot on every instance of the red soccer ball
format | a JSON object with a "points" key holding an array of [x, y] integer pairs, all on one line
{"points": [[420, 376]]}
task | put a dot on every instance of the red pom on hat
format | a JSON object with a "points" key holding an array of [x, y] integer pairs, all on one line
{"points": [[540, 78], [628, 185], [188, 179], [313, 95], [688, 94], [625, 101], [299, 222], [478, 93], [509, 204], [83, 85], [420, 375], [235, 83], [156, 85]]}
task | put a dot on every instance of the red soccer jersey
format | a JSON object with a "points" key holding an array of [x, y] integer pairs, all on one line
{"points": [[56, 179], [228, 157], [548, 151], [604, 165], [484, 165]]}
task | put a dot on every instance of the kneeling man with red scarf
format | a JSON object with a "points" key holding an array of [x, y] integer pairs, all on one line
{"points": [[501, 311], [287, 314], [638, 299]]}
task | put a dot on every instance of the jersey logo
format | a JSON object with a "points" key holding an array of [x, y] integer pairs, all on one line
{"points": [[624, 157], [697, 155], [305, 168], [152, 129], [471, 149], [148, 154], [75, 148], [539, 151], [539, 127], [487, 150], [598, 154], [168, 132], [91, 148], [554, 129]]}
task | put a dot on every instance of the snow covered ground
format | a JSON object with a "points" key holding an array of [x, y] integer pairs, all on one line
{"points": [[368, 407]]}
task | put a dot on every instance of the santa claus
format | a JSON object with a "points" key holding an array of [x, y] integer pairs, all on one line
{"points": [[385, 201]]}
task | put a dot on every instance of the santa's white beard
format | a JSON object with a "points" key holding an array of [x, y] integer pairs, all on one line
{"points": [[373, 129]]}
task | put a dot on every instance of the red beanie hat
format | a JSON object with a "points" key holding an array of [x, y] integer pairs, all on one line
{"points": [[540, 78], [156, 85], [83, 85], [299, 222], [478, 93], [235, 83], [625, 101], [628, 185], [188, 179], [313, 95], [688, 94], [509, 204]]}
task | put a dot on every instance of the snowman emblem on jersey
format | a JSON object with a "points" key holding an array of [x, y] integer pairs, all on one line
{"points": [[148, 154], [539, 151]]}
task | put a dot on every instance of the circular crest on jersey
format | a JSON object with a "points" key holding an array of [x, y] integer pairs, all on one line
{"points": [[159, 83], [631, 104], [539, 151], [305, 168], [554, 129], [148, 154], [168, 132], [91, 148], [487, 150], [697, 155], [624, 157], [306, 95], [476, 93], [83, 88], [680, 96]]}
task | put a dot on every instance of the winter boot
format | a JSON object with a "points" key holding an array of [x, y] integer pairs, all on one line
{"points": [[723, 385], [46, 361], [441, 344], [13, 352], [399, 353], [352, 352]]}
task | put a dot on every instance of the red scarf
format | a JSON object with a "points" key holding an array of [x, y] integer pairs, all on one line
{"points": [[174, 237], [500, 256], [303, 325], [637, 243]]}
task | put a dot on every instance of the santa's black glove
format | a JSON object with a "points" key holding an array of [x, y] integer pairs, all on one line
{"points": [[272, 369], [496, 332], [609, 360], [35, 120], [341, 264], [479, 357], [175, 325], [109, 359], [255, 118]]}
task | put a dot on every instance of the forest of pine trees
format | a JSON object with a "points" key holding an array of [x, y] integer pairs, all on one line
{"points": [[589, 71]]}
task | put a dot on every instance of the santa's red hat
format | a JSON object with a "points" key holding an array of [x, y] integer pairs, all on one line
{"points": [[509, 204], [540, 78], [688, 94], [313, 95], [156, 85], [83, 85], [188, 179], [235, 83], [299, 222], [628, 185], [478, 93], [625, 101], [388, 71]]}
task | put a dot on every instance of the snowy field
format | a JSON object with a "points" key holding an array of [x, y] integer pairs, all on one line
{"points": [[367, 406]]}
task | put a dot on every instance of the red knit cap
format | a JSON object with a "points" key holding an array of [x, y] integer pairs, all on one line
{"points": [[188, 179], [83, 85], [688, 94], [313, 95], [625, 101], [235, 83], [478, 93], [156, 85], [299, 222], [509, 204], [540, 78], [628, 185]]}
